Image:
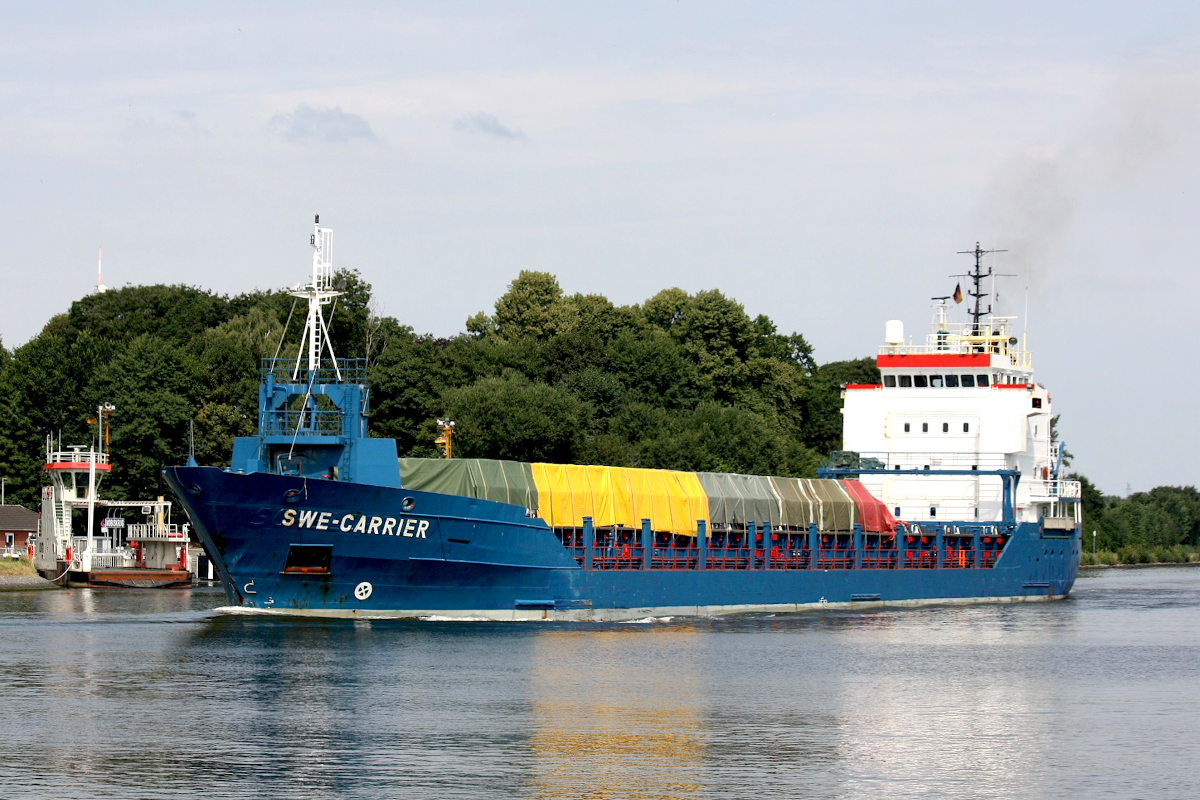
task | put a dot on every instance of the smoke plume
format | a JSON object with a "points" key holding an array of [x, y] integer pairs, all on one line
{"points": [[1148, 121]]}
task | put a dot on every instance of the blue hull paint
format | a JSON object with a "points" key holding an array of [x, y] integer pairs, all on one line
{"points": [[476, 556]]}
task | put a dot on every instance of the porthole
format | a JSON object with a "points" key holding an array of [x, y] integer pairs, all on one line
{"points": [[407, 504]]}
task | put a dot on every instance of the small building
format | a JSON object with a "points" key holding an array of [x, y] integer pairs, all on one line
{"points": [[18, 526]]}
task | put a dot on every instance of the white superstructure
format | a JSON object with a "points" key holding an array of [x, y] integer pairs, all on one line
{"points": [[108, 542], [962, 400]]}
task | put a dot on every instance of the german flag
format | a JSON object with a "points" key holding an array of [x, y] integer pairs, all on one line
{"points": [[958, 292]]}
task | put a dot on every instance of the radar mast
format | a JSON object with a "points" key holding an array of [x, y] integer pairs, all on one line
{"points": [[977, 276], [319, 292]]}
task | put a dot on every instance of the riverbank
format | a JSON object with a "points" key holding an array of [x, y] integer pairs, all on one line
{"points": [[1140, 556], [1141, 566], [19, 575], [14, 583]]}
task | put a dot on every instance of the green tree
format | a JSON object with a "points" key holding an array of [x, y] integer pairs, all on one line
{"points": [[514, 418], [526, 309], [170, 313], [151, 384]]}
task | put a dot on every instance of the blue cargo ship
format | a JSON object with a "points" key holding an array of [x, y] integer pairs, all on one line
{"points": [[313, 517]]}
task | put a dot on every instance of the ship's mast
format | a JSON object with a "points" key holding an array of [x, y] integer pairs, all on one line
{"points": [[977, 277], [318, 293]]}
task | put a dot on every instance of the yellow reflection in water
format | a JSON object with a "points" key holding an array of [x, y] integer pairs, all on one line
{"points": [[617, 714]]}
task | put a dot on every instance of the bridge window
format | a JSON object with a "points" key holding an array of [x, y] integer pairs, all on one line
{"points": [[935, 381], [1037, 402], [906, 427], [889, 381], [968, 381], [945, 427], [897, 514], [966, 427], [981, 381], [906, 381], [951, 381], [924, 427], [933, 511], [920, 382]]}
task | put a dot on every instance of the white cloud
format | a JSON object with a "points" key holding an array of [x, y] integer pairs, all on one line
{"points": [[488, 125], [330, 125]]}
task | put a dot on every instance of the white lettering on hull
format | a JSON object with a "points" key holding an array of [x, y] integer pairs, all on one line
{"points": [[353, 522]]}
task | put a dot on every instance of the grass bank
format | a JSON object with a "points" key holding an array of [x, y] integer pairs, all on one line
{"points": [[1140, 555], [20, 566]]}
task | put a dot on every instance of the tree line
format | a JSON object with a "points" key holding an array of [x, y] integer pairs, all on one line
{"points": [[1161, 525], [681, 381]]}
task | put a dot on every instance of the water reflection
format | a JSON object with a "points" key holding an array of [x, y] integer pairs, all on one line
{"points": [[617, 713], [149, 694]]}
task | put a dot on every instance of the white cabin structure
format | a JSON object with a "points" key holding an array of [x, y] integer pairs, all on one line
{"points": [[965, 399]]}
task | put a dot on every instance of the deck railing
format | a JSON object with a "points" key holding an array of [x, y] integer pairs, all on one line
{"points": [[286, 371], [75, 457], [912, 546], [155, 532]]}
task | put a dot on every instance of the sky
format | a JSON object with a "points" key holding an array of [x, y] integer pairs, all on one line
{"points": [[822, 163]]}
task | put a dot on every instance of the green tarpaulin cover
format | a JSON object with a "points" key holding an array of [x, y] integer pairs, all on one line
{"points": [[482, 478]]}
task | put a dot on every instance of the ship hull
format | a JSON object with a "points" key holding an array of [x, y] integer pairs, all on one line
{"points": [[403, 553]]}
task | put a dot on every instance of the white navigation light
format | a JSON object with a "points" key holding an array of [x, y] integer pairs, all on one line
{"points": [[893, 332]]}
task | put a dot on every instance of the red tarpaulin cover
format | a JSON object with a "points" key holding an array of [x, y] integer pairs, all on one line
{"points": [[873, 514]]}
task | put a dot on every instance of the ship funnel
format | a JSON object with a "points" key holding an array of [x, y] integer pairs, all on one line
{"points": [[893, 331]]}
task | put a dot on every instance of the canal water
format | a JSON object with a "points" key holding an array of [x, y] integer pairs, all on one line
{"points": [[136, 694]]}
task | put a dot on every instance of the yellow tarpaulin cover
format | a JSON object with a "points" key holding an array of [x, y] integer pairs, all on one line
{"points": [[672, 501]]}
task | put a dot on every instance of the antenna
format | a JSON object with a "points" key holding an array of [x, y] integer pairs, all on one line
{"points": [[977, 277], [100, 287], [1025, 332]]}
